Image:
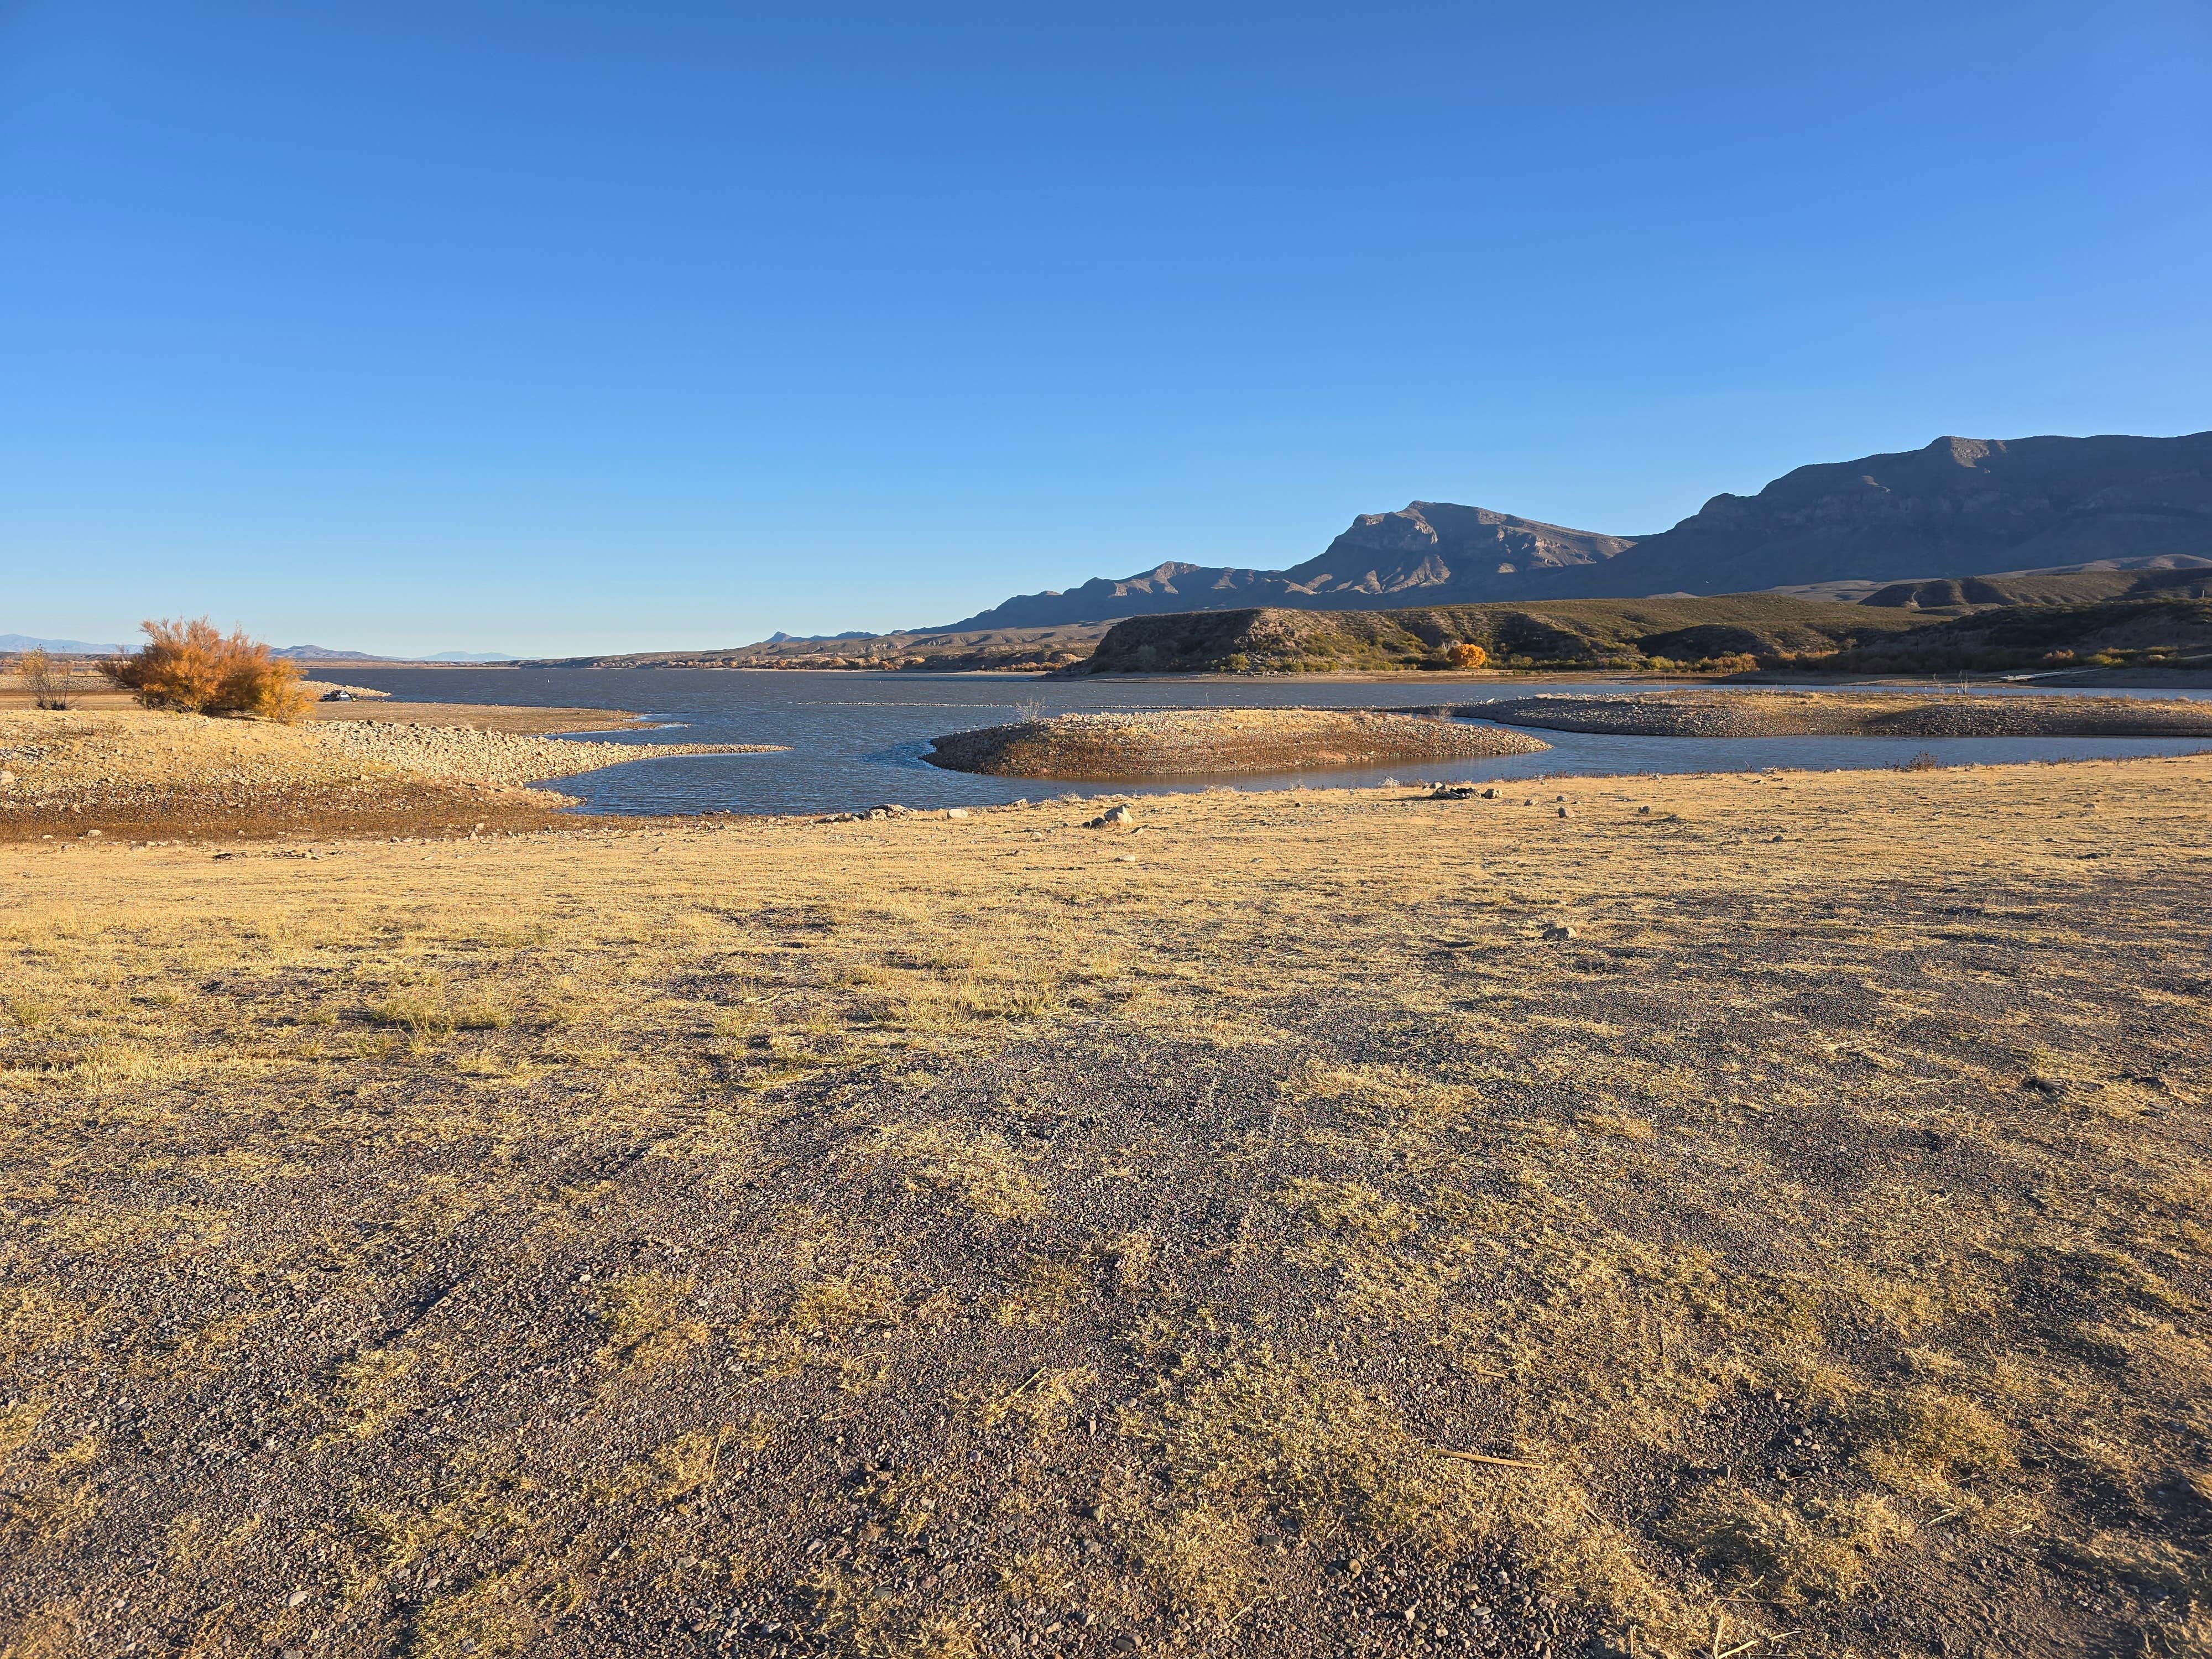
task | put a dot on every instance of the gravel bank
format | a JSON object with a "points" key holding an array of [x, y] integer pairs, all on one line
{"points": [[464, 754], [1199, 742], [135, 772], [1829, 714]]}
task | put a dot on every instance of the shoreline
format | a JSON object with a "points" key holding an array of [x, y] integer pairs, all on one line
{"points": [[132, 774]]}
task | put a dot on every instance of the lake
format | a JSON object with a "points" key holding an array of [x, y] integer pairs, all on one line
{"points": [[857, 739]]}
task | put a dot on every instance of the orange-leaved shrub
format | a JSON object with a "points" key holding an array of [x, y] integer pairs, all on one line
{"points": [[1464, 655], [188, 664]]}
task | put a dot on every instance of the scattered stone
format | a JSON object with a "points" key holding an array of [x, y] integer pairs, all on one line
{"points": [[297, 1599], [1490, 795], [956, 811], [1569, 811], [1558, 929], [1643, 809], [1110, 817]]}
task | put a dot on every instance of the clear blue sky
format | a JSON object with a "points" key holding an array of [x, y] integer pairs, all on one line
{"points": [[552, 326]]}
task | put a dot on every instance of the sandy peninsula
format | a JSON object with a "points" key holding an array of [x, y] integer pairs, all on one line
{"points": [[124, 772]]}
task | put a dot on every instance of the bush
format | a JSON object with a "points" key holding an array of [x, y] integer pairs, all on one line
{"points": [[189, 666], [1464, 655], [46, 678]]}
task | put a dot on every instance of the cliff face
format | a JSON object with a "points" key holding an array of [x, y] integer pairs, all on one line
{"points": [[1961, 507], [1435, 549], [1425, 551]]}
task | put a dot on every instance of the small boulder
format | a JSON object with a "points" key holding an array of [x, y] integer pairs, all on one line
{"points": [[1110, 817], [956, 811], [1557, 932], [1566, 811]]}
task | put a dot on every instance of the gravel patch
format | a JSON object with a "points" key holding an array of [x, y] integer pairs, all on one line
{"points": [[1199, 742]]}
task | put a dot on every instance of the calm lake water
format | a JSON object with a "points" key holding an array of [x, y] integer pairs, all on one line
{"points": [[858, 739]]}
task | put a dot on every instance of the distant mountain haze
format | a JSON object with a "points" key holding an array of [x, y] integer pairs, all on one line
{"points": [[1961, 507], [321, 653], [71, 648]]}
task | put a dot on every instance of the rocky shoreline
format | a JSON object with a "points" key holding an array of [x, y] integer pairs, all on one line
{"points": [[1718, 713], [138, 773], [1203, 742]]}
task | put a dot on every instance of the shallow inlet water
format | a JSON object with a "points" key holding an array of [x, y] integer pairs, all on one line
{"points": [[857, 739]]}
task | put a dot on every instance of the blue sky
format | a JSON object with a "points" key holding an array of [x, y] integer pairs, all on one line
{"points": [[551, 326]]}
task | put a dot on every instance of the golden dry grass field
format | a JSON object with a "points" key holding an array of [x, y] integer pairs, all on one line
{"points": [[1741, 1217]]}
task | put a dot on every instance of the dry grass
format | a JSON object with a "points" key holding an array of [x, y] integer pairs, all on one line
{"points": [[921, 1236]]}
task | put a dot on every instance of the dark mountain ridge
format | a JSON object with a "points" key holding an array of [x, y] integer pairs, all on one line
{"points": [[1425, 551], [1960, 506]]}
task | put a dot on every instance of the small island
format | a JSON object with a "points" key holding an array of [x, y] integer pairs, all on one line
{"points": [[1184, 743]]}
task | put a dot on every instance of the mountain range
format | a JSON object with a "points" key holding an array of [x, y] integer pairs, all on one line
{"points": [[1960, 506], [71, 648], [321, 653]]}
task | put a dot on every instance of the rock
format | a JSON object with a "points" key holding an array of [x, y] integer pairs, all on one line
{"points": [[1643, 809], [956, 811], [1453, 792], [1111, 816], [1124, 1642], [1558, 929], [297, 1599], [1566, 811], [1490, 795]]}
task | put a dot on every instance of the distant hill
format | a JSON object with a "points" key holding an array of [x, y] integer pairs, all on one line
{"points": [[1559, 633], [2176, 576], [71, 648], [1427, 551], [321, 653], [2132, 634], [1961, 507], [941, 650]]}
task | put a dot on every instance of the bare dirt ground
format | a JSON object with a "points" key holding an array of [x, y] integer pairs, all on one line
{"points": [[1747, 1215], [1734, 714], [126, 774], [1209, 742]]}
